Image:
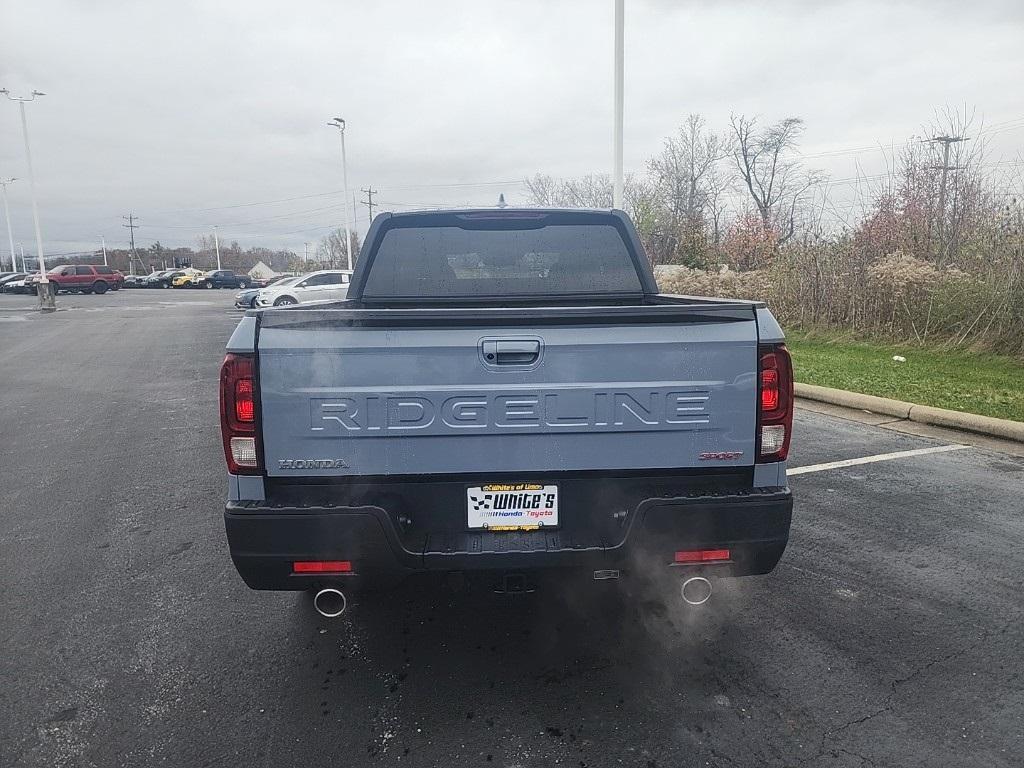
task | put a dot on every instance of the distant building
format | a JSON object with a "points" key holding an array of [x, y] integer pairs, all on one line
{"points": [[261, 272]]}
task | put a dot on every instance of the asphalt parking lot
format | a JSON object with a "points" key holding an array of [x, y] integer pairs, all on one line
{"points": [[890, 635]]}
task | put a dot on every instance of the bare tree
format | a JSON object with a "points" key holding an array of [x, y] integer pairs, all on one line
{"points": [[330, 251], [686, 172], [773, 177], [684, 165], [545, 190], [591, 191], [643, 200], [718, 187]]}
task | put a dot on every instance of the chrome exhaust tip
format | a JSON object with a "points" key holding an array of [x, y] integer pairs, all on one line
{"points": [[696, 590], [330, 603]]}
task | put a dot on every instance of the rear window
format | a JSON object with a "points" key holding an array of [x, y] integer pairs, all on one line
{"points": [[499, 261]]}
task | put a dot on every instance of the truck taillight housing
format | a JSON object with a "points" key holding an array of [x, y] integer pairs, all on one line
{"points": [[238, 415], [774, 402]]}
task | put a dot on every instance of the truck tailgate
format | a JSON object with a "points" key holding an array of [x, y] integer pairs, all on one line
{"points": [[359, 399]]}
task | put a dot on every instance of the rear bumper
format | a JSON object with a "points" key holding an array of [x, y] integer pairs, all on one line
{"points": [[266, 538]]}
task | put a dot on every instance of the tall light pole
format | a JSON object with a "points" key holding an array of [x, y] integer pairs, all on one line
{"points": [[7, 215], [617, 178], [216, 247], [103, 245], [340, 125], [21, 248], [46, 300]]}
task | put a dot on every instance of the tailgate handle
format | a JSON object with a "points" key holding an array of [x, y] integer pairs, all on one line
{"points": [[512, 352]]}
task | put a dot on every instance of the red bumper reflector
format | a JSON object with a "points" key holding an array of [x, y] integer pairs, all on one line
{"points": [[702, 555], [322, 566]]}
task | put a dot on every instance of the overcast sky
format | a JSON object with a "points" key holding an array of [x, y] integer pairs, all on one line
{"points": [[168, 110]]}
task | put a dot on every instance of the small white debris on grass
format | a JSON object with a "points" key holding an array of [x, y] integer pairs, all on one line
{"points": [[899, 358]]}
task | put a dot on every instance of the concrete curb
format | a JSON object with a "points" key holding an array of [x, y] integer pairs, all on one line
{"points": [[923, 414]]}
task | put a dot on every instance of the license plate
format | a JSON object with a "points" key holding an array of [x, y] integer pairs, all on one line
{"points": [[512, 506]]}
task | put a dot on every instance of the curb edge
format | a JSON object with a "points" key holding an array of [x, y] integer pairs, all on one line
{"points": [[923, 414]]}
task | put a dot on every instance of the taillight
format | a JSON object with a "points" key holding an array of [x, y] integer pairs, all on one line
{"points": [[245, 411], [238, 415], [775, 402]]}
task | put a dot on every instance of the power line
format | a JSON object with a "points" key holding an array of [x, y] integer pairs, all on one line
{"points": [[1004, 125], [457, 184], [1004, 122], [332, 207], [848, 151], [338, 192], [247, 205]]}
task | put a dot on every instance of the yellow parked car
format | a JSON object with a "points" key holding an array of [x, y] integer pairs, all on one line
{"points": [[190, 278]]}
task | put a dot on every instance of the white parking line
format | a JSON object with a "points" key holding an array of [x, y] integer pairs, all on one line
{"points": [[873, 459]]}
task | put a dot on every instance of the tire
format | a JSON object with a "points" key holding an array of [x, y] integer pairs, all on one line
{"points": [[100, 287], [243, 284], [115, 287], [207, 284], [285, 301], [252, 303]]}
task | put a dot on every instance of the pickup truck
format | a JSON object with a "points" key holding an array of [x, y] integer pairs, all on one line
{"points": [[505, 391]]}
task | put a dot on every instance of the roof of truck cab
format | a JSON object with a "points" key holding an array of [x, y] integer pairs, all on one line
{"points": [[507, 212]]}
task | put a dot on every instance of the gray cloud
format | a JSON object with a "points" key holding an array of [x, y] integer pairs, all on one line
{"points": [[164, 109]]}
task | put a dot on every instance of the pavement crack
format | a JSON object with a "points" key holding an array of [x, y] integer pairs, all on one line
{"points": [[865, 760], [889, 704]]}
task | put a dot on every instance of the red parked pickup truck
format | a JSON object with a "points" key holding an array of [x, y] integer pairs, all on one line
{"points": [[85, 278]]}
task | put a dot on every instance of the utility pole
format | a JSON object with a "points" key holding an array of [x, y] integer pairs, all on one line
{"points": [[946, 141], [22, 249], [305, 251], [617, 177], [47, 302], [7, 215], [131, 226], [368, 202], [103, 245], [216, 247]]}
